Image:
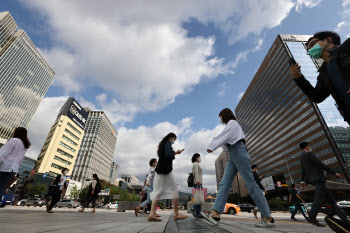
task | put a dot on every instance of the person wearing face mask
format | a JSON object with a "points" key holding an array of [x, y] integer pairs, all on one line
{"points": [[334, 73], [164, 185], [59, 181], [312, 172], [198, 183], [232, 139], [92, 194], [148, 186]]}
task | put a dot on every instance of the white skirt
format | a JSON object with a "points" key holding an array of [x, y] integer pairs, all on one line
{"points": [[164, 187]]}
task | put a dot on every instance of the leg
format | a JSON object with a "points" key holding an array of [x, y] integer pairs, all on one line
{"points": [[54, 201], [148, 200], [331, 201], [175, 202], [242, 162], [303, 213], [93, 204], [320, 189], [152, 215], [295, 211], [4, 178], [224, 188]]}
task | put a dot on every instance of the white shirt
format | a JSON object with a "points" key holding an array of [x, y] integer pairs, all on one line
{"points": [[62, 181], [230, 135], [150, 177], [11, 155], [197, 173]]}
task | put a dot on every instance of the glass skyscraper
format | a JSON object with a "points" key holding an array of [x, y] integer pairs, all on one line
{"points": [[26, 167], [24, 77], [276, 116]]}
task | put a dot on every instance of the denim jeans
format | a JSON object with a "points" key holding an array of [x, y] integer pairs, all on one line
{"points": [[239, 161], [148, 201], [197, 208], [300, 208], [4, 178]]}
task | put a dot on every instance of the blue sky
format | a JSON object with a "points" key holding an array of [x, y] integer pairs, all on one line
{"points": [[188, 103]]}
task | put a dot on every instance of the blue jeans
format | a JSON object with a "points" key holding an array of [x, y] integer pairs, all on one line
{"points": [[4, 178], [239, 161], [148, 201], [197, 208]]}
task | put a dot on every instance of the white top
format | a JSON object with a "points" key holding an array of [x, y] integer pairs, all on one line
{"points": [[62, 181], [230, 135], [150, 176], [93, 183], [197, 173], [11, 155]]}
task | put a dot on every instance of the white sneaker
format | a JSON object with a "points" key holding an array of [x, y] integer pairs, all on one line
{"points": [[265, 224], [209, 218]]}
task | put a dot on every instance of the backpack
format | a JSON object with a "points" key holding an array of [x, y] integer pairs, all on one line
{"points": [[97, 188], [190, 180]]}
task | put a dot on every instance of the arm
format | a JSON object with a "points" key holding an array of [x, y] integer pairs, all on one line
{"points": [[290, 198], [319, 164], [93, 185], [6, 149], [169, 152], [316, 94], [195, 173], [302, 174], [300, 198], [222, 138], [257, 180]]}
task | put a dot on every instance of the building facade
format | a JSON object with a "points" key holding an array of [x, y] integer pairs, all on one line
{"points": [[25, 77], [238, 185], [26, 167], [62, 144], [113, 175], [131, 179], [276, 116], [97, 149]]}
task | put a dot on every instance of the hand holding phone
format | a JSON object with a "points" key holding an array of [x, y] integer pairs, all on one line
{"points": [[292, 61]]}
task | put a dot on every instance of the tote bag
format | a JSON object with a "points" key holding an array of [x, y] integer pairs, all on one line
{"points": [[199, 196]]}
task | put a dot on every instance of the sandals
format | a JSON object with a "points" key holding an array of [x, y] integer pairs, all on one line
{"points": [[154, 219], [180, 217], [136, 211]]}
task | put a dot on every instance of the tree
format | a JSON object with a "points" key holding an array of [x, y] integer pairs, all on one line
{"points": [[74, 193], [34, 189]]}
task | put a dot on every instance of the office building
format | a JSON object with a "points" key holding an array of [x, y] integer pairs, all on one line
{"points": [[238, 185], [26, 167], [131, 179], [113, 175], [97, 149], [25, 77], [276, 116], [63, 141]]}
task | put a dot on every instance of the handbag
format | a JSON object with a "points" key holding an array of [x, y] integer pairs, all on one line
{"points": [[198, 196], [190, 180]]}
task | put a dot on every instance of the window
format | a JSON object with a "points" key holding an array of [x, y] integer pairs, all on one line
{"points": [[71, 134], [75, 129], [67, 139], [67, 147]]}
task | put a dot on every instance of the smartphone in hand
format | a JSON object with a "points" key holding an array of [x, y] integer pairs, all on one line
{"points": [[292, 61]]}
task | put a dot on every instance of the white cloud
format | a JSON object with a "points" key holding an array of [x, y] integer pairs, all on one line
{"points": [[240, 95], [306, 3], [340, 25], [346, 3], [139, 52], [222, 87]]}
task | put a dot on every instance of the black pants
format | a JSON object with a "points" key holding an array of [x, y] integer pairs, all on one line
{"points": [[54, 200], [92, 199], [322, 192], [300, 208]]}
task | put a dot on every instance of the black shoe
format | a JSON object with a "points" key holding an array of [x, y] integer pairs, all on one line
{"points": [[294, 219]]}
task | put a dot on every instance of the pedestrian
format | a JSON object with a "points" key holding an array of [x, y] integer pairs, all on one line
{"points": [[312, 172], [232, 139], [295, 199], [11, 156], [198, 183], [164, 186], [143, 194], [92, 194], [59, 183], [258, 180], [148, 186], [334, 73]]}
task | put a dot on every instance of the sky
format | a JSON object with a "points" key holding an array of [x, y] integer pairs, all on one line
{"points": [[158, 66]]}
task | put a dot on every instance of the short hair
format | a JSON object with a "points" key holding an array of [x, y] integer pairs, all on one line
{"points": [[254, 166], [152, 161], [292, 186], [227, 115], [303, 145], [194, 157], [64, 169], [323, 35]]}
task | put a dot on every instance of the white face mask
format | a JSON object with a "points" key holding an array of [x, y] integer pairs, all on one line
{"points": [[172, 141], [221, 121], [65, 172], [199, 160]]}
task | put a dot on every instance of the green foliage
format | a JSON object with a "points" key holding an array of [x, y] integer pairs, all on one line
{"points": [[278, 204], [74, 192], [83, 194], [34, 189]]}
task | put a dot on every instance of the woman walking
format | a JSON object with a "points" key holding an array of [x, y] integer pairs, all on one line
{"points": [[59, 182], [164, 186], [92, 194], [11, 156], [148, 186], [232, 139], [198, 183]]}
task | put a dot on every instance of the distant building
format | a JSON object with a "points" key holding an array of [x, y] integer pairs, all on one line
{"points": [[25, 77], [131, 179], [114, 172], [26, 167]]}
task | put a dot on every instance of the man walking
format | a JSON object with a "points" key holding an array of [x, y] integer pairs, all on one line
{"points": [[294, 198], [258, 182], [313, 173], [334, 74]]}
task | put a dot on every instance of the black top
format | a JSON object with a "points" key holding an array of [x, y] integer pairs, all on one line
{"points": [[312, 169], [258, 180], [167, 157], [295, 199]]}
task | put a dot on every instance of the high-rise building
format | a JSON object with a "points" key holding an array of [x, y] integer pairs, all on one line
{"points": [[113, 175], [25, 77], [131, 179], [97, 149], [26, 167], [63, 141], [238, 185], [276, 116]]}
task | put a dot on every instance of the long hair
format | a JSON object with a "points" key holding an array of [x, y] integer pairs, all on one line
{"points": [[21, 133], [162, 143], [96, 177]]}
